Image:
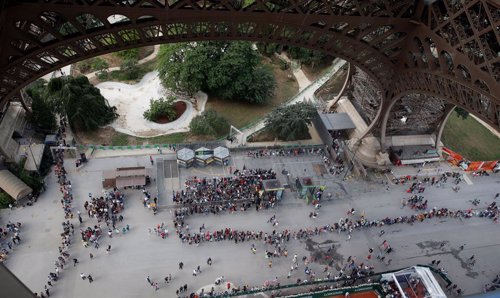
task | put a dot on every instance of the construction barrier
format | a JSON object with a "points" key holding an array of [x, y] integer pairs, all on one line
{"points": [[472, 166]]}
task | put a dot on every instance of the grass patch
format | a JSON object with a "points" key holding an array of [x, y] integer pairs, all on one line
{"points": [[175, 138], [471, 139], [107, 136], [240, 114]]}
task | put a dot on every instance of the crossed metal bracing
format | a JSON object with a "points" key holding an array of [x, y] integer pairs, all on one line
{"points": [[451, 46]]}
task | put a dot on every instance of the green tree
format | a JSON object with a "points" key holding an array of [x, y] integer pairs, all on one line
{"points": [[5, 200], [82, 103], [308, 57], [229, 70], [289, 123], [99, 64], [130, 54], [209, 123], [161, 108], [130, 69], [42, 115]]}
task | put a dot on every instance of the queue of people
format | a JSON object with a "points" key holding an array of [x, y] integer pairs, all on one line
{"points": [[9, 237]]}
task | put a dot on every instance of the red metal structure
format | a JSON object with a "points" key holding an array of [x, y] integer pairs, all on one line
{"points": [[436, 54]]}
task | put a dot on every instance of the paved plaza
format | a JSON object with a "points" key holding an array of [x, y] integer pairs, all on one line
{"points": [[139, 254]]}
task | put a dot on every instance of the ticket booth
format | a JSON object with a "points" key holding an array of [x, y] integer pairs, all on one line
{"points": [[221, 155], [204, 156], [185, 157]]}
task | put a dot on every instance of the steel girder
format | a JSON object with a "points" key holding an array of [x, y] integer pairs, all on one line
{"points": [[444, 50]]}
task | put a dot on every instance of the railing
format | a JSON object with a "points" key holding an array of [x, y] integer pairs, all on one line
{"points": [[330, 292]]}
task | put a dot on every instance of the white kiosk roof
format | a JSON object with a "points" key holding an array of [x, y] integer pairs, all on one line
{"points": [[221, 152], [185, 154], [413, 279], [203, 153]]}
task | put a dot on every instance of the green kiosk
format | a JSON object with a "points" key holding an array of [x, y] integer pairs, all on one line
{"points": [[307, 189]]}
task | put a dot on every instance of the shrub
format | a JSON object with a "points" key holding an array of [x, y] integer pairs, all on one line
{"points": [[102, 75], [98, 64], [161, 108], [84, 66], [130, 69], [284, 65], [130, 54], [209, 123], [5, 200]]}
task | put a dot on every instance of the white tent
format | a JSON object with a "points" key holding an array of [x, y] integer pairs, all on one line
{"points": [[13, 186]]}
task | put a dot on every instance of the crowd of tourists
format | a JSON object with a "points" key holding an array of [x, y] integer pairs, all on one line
{"points": [[9, 237], [347, 226], [285, 152], [212, 196], [65, 187]]}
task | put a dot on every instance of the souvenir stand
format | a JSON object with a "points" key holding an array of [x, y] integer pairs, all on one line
{"points": [[185, 157], [273, 188], [221, 155], [204, 156], [307, 189]]}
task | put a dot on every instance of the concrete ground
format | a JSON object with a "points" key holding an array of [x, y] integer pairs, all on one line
{"points": [[138, 254]]}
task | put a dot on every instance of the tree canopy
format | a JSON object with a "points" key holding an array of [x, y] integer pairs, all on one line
{"points": [[229, 70], [80, 101], [289, 123], [42, 115], [209, 123]]}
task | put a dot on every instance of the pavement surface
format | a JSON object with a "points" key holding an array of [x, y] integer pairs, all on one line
{"points": [[139, 254]]}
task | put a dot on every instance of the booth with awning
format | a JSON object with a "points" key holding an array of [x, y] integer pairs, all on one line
{"points": [[221, 155], [14, 186], [126, 177], [273, 186], [204, 156], [307, 188], [185, 157]]}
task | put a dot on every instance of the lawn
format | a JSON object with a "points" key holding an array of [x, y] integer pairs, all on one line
{"points": [[471, 139], [240, 114], [109, 137]]}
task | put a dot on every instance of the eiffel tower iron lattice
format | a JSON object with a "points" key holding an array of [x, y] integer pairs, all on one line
{"points": [[410, 50]]}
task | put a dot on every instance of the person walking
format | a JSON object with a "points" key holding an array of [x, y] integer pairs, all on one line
{"points": [[75, 261], [209, 261], [90, 278], [181, 265], [91, 256], [149, 280]]}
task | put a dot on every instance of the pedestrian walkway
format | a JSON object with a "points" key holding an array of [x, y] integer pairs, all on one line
{"points": [[306, 93]]}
